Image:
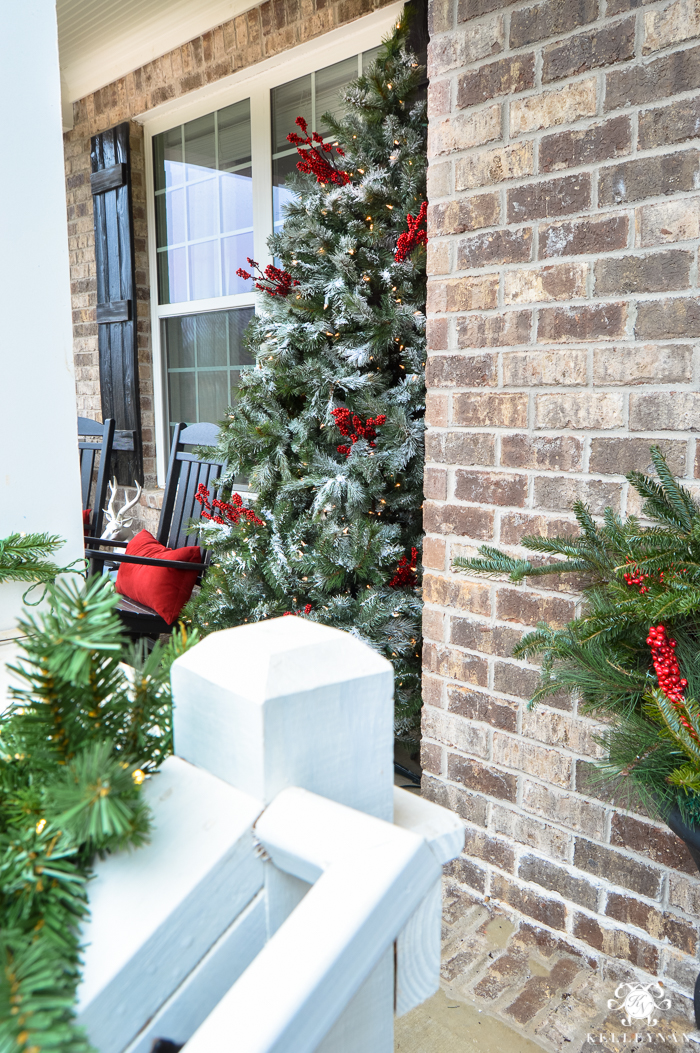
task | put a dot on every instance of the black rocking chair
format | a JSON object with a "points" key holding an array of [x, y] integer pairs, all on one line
{"points": [[185, 473], [93, 439]]}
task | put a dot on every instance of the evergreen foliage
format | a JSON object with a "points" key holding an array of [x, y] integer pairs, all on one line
{"points": [[25, 557], [634, 575], [77, 742], [328, 426]]}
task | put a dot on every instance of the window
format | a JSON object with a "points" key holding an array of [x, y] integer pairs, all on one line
{"points": [[218, 192]]}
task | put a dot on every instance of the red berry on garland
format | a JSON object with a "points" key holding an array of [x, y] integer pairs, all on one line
{"points": [[405, 576], [413, 237], [317, 159], [273, 280], [352, 427], [230, 513]]}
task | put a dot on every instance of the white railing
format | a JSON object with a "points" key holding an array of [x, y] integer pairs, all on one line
{"points": [[289, 901]]}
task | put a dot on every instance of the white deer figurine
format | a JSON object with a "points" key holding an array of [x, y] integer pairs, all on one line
{"points": [[117, 522]]}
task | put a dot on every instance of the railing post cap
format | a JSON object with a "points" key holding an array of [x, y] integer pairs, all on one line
{"points": [[281, 657]]}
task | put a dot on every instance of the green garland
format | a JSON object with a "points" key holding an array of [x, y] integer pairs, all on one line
{"points": [[633, 575], [77, 742]]}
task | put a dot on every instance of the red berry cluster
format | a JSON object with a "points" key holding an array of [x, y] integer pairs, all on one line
{"points": [[636, 577], [666, 664], [231, 513], [317, 160], [272, 280], [351, 425], [405, 577], [413, 237], [293, 614]]}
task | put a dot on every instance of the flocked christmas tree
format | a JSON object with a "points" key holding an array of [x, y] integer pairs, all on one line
{"points": [[328, 427]]}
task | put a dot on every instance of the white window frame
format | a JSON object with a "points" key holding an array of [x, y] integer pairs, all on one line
{"points": [[255, 83]]}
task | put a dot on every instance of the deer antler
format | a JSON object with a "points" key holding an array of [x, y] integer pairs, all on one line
{"points": [[129, 504], [109, 510]]}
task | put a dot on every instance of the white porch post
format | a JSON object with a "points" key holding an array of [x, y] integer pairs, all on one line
{"points": [[39, 476]]}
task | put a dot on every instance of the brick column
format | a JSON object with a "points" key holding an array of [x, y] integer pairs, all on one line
{"points": [[562, 313]]}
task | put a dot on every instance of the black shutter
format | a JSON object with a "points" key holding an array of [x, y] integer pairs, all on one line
{"points": [[116, 297]]}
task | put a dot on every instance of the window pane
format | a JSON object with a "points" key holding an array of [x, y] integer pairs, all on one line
{"points": [[289, 101], [236, 200], [234, 134], [368, 57], [237, 324], [172, 276], [235, 252], [200, 149], [210, 205], [168, 162], [183, 397], [281, 168], [179, 339], [212, 333], [203, 209], [204, 270], [213, 395], [204, 359], [329, 82]]}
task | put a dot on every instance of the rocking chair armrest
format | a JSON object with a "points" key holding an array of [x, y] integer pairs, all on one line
{"points": [[105, 541], [144, 561]]}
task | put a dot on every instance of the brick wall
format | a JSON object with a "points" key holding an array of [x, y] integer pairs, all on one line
{"points": [[563, 309], [264, 31]]}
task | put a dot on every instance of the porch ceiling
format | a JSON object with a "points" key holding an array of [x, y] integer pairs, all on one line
{"points": [[101, 40]]}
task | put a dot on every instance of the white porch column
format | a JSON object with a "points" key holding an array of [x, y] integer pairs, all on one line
{"points": [[39, 475]]}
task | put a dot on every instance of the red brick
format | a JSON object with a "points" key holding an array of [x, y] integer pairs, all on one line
{"points": [[503, 77], [506, 329], [454, 664], [435, 483], [668, 318], [555, 878], [617, 868], [552, 197], [469, 9], [457, 593], [599, 47], [655, 272], [491, 410], [559, 492], [433, 553], [491, 849], [549, 452], [551, 912], [660, 845], [479, 706], [457, 519], [470, 806], [527, 608], [491, 488], [648, 177], [497, 246], [595, 322], [616, 943], [636, 85], [665, 411], [461, 371], [669, 124], [572, 237], [456, 217], [600, 142], [549, 19], [460, 447], [659, 925], [623, 455], [481, 777], [466, 872]]}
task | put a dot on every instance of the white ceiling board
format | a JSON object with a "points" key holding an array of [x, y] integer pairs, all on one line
{"points": [[102, 40]]}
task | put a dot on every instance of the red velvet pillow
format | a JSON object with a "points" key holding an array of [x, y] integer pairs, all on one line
{"points": [[165, 591]]}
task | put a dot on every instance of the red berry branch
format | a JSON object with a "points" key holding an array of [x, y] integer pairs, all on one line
{"points": [[666, 664], [668, 674], [230, 513], [405, 576], [293, 614], [411, 238], [272, 280], [352, 426], [318, 159]]}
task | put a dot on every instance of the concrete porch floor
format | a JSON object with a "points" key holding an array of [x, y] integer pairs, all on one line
{"points": [[507, 988]]}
